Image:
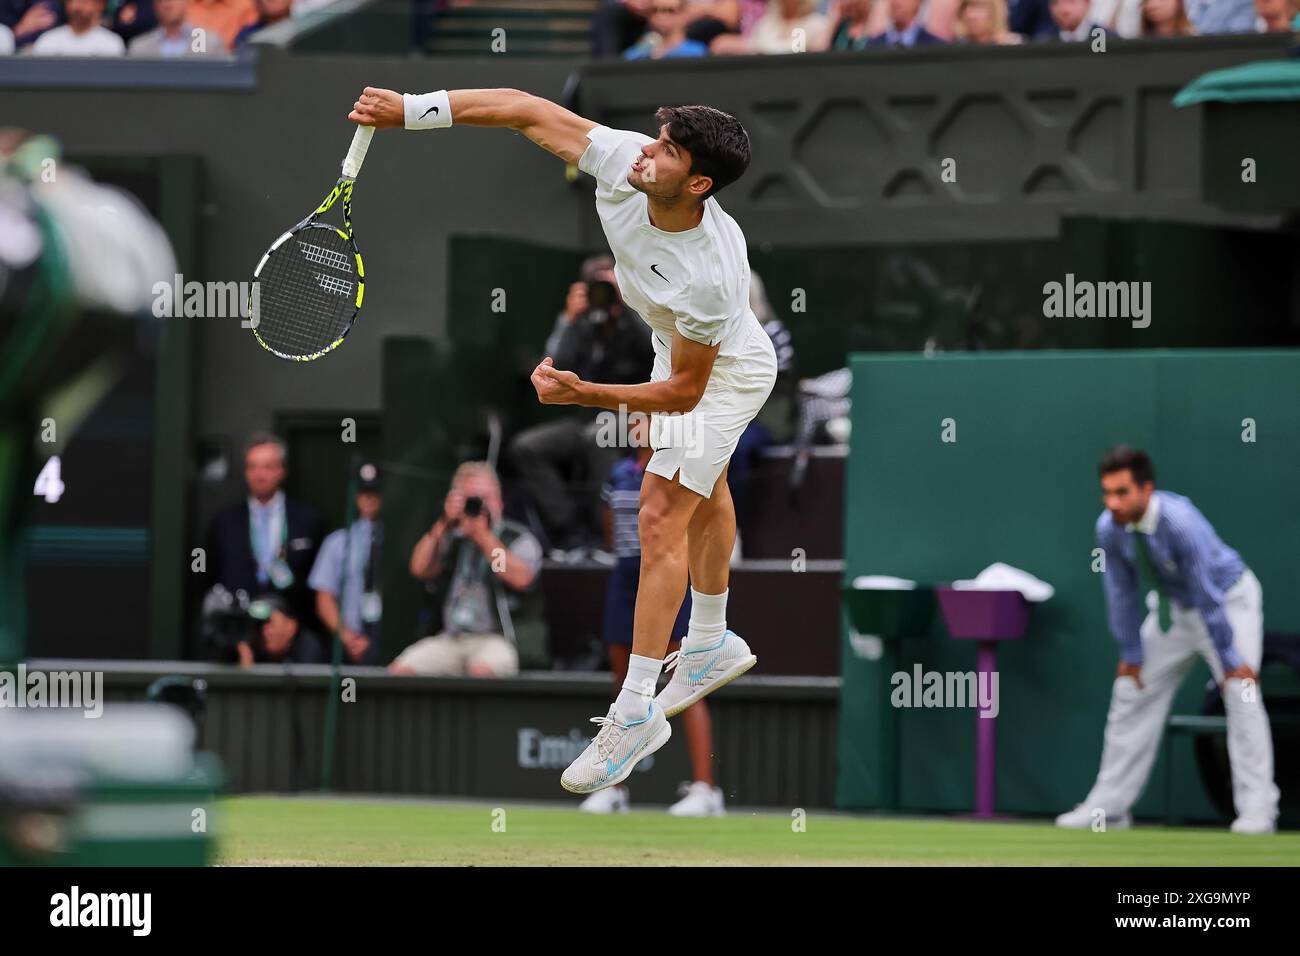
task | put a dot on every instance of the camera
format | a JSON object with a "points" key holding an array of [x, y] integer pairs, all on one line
{"points": [[225, 620], [473, 507], [601, 297]]}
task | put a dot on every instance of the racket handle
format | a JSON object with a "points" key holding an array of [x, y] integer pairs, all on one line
{"points": [[357, 152]]}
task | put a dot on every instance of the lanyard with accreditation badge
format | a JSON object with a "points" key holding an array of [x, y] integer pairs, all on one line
{"points": [[278, 570], [365, 565]]}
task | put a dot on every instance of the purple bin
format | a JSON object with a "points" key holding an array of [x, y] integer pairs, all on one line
{"points": [[984, 615]]}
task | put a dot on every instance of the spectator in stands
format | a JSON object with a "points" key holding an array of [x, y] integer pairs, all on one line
{"points": [[617, 24], [357, 584], [266, 541], [279, 636], [788, 26], [854, 29], [667, 35], [985, 22], [1031, 19], [224, 18], [82, 35], [1275, 16], [602, 340], [28, 19], [1120, 17], [937, 16], [133, 18], [905, 27], [706, 20], [476, 564], [1221, 16], [175, 35], [6, 40], [1072, 23], [269, 12], [1165, 18], [622, 496], [940, 18]]}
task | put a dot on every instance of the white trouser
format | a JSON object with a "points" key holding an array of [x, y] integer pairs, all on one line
{"points": [[1137, 715]]}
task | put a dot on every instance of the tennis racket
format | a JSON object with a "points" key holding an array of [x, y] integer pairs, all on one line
{"points": [[307, 289]]}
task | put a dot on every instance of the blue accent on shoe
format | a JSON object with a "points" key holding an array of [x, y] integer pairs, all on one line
{"points": [[648, 711], [612, 768], [693, 676], [712, 647]]}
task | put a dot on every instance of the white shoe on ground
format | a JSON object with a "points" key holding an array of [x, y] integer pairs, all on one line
{"points": [[1082, 816], [699, 800], [609, 800], [1254, 823]]}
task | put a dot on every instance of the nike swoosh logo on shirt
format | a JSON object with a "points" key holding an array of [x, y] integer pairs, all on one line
{"points": [[655, 269]]}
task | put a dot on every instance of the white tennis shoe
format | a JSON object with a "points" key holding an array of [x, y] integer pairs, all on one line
{"points": [[616, 749], [698, 799], [1083, 817], [701, 670], [610, 800], [1254, 823]]}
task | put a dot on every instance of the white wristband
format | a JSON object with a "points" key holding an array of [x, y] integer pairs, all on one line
{"points": [[427, 110]]}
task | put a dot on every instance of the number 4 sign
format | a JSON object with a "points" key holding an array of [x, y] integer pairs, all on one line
{"points": [[49, 484]]}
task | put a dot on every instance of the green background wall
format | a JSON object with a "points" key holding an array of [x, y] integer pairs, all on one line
{"points": [[1019, 485]]}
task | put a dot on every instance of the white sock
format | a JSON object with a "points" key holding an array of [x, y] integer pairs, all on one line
{"points": [[638, 687], [708, 618]]}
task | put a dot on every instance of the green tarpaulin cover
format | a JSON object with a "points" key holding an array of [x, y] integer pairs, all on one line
{"points": [[1271, 80]]}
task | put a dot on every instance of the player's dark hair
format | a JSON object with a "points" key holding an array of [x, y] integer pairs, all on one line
{"points": [[1133, 460], [718, 144]]}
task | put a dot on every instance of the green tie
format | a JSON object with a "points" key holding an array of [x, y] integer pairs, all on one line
{"points": [[1149, 572]]}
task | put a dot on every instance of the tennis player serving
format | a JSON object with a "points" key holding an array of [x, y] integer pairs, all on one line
{"points": [[682, 264]]}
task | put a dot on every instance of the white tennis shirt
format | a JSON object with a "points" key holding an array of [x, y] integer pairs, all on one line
{"points": [[696, 281]]}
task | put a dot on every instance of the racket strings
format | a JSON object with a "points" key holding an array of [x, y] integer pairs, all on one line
{"points": [[307, 292]]}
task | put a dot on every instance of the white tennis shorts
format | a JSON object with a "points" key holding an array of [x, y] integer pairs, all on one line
{"points": [[698, 444]]}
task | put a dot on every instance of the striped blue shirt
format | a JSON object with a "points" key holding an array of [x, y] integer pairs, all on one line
{"points": [[1195, 568], [622, 493], [327, 572]]}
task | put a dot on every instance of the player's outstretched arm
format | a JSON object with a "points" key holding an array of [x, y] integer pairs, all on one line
{"points": [[547, 124]]}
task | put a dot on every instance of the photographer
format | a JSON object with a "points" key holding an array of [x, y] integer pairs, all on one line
{"points": [[265, 630], [477, 565], [278, 636], [601, 340]]}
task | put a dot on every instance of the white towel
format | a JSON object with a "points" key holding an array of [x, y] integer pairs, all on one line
{"points": [[1003, 577], [882, 582]]}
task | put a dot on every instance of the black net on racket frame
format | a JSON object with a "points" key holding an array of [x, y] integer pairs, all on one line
{"points": [[307, 292]]}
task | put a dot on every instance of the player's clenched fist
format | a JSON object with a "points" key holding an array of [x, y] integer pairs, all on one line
{"points": [[553, 386], [381, 109]]}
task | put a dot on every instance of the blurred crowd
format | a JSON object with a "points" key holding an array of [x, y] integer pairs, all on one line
{"points": [[653, 29], [639, 29], [139, 28]]}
